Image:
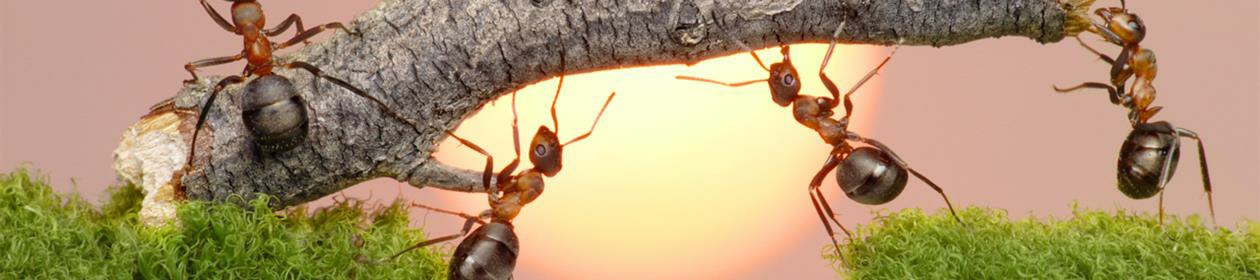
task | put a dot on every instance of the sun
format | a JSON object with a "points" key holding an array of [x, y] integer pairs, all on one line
{"points": [[680, 180]]}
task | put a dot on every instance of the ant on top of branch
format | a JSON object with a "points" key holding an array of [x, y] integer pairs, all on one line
{"points": [[1150, 153], [273, 110], [490, 252], [872, 174]]}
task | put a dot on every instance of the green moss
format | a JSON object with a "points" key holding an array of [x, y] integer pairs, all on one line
{"points": [[1090, 245], [44, 235]]}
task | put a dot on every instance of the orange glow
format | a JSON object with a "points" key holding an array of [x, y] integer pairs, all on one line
{"points": [[680, 180]]}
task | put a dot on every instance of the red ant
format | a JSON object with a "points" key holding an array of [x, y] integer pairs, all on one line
{"points": [[1126, 30], [871, 174], [272, 108], [1150, 153], [248, 21], [490, 252]]}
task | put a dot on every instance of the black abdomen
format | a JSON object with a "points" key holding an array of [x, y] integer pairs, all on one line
{"points": [[489, 253], [274, 113], [1143, 157]]}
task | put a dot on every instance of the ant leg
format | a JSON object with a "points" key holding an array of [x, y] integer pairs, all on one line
{"points": [[1163, 175], [464, 231], [938, 190], [205, 111], [477, 219], [1104, 57], [831, 86], [815, 196], [1203, 168], [516, 132], [737, 84], [816, 183], [848, 103], [903, 164], [218, 18], [307, 34], [506, 173], [1121, 70], [318, 73], [192, 66], [485, 175], [1161, 208], [601, 114], [284, 26], [1111, 91], [556, 121]]}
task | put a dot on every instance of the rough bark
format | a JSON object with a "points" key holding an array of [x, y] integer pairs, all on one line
{"points": [[437, 62]]}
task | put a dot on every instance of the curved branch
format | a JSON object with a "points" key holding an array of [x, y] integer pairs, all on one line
{"points": [[437, 62]]}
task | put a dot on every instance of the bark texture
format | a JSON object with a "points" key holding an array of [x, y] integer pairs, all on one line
{"points": [[437, 62]]}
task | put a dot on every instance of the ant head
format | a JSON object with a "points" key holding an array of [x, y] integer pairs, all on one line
{"points": [[1143, 158], [1126, 26], [247, 13], [545, 152], [784, 83]]}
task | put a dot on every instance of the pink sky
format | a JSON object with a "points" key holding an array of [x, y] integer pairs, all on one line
{"points": [[980, 118]]}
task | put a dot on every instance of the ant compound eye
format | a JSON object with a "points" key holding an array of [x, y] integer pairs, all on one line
{"points": [[540, 150], [789, 80]]}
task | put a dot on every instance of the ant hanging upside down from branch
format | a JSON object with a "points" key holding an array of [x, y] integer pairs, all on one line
{"points": [[872, 174], [490, 251], [1150, 153]]}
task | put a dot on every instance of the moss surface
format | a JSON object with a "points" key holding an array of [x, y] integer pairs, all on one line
{"points": [[1090, 245], [44, 235]]}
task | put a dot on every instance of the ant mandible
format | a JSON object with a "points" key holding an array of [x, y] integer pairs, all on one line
{"points": [[871, 174], [490, 252], [1149, 155], [272, 108]]}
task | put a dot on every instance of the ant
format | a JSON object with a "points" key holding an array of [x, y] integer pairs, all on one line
{"points": [[1149, 155], [871, 174], [248, 21], [1127, 31], [490, 252], [272, 107]]}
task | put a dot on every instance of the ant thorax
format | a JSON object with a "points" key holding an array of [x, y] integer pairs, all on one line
{"points": [[809, 109], [521, 190], [834, 132]]}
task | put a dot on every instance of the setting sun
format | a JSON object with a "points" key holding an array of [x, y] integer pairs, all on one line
{"points": [[680, 180]]}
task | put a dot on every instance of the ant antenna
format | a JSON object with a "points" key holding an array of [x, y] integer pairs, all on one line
{"points": [[601, 114]]}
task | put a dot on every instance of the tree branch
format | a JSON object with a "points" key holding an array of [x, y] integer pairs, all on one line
{"points": [[437, 62]]}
